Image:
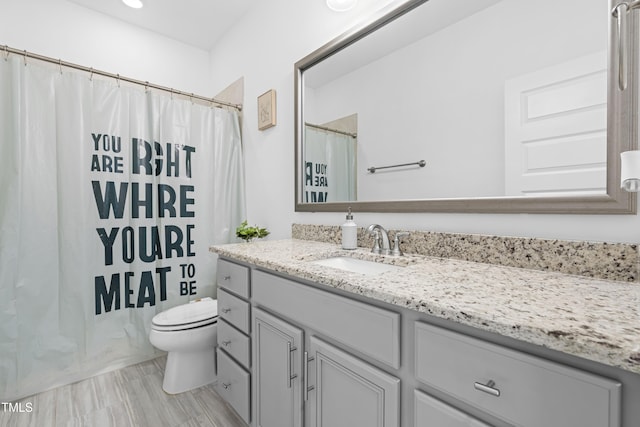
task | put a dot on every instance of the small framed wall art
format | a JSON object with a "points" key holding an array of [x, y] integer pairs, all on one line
{"points": [[267, 110]]}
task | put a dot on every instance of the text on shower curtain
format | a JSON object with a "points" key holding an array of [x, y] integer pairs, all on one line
{"points": [[128, 196]]}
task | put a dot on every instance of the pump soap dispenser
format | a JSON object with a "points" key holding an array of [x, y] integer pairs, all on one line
{"points": [[349, 233]]}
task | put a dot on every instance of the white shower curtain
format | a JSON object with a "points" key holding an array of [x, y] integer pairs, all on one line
{"points": [[330, 166], [109, 199]]}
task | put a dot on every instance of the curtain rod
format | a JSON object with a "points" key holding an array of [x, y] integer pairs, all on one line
{"points": [[352, 135], [7, 50]]}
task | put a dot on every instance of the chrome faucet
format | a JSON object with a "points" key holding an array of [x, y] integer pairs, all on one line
{"points": [[380, 239]]}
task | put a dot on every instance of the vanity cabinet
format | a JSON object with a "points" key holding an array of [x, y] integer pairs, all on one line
{"points": [[325, 359], [234, 346], [297, 372]]}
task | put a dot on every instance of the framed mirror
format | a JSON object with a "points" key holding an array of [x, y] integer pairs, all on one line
{"points": [[496, 106]]}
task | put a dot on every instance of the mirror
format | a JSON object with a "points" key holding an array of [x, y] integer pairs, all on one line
{"points": [[468, 106]]}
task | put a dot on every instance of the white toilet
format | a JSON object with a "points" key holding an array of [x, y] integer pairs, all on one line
{"points": [[189, 333]]}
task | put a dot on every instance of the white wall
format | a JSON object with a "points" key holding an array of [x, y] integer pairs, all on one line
{"points": [[65, 30], [263, 48]]}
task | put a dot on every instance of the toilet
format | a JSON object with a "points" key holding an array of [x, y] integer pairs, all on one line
{"points": [[188, 333]]}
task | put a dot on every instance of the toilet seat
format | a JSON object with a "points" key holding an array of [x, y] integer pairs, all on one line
{"points": [[195, 314]]}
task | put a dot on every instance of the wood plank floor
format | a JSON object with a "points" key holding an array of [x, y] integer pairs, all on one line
{"points": [[132, 396]]}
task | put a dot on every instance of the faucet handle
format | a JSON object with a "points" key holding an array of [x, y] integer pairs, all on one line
{"points": [[376, 242], [396, 243]]}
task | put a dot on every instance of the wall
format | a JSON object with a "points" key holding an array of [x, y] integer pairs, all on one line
{"points": [[263, 48], [65, 30]]}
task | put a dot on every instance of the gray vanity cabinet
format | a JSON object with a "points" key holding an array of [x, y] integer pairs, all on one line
{"points": [[324, 359], [276, 372], [323, 382]]}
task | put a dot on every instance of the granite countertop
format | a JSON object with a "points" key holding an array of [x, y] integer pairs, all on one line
{"points": [[591, 318]]}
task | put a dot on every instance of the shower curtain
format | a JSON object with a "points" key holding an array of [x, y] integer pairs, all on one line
{"points": [[109, 199], [330, 166]]}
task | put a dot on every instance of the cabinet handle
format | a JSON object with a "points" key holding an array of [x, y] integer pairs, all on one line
{"points": [[290, 374], [226, 385], [307, 389], [487, 388], [226, 278], [225, 310], [226, 343]]}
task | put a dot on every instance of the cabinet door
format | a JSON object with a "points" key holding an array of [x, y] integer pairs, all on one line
{"points": [[349, 392], [277, 352]]}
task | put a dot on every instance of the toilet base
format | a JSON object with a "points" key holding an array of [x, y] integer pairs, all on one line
{"points": [[189, 370]]}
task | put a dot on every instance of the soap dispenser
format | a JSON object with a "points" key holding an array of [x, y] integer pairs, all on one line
{"points": [[349, 233]]}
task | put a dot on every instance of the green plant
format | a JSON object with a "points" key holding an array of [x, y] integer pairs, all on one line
{"points": [[248, 233]]}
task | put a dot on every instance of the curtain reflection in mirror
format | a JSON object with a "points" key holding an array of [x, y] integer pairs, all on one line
{"points": [[330, 158]]}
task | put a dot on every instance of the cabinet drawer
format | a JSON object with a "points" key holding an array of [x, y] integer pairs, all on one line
{"points": [[362, 327], [233, 277], [234, 342], [432, 412], [234, 310], [233, 385], [516, 387]]}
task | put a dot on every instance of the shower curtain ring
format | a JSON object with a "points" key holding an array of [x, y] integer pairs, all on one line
{"points": [[60, 65], [146, 87], [118, 79], [6, 52], [25, 57], [191, 98]]}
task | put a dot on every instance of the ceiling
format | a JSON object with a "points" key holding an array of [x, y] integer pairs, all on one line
{"points": [[201, 22]]}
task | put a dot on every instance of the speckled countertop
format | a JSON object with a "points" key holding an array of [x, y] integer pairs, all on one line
{"points": [[590, 318]]}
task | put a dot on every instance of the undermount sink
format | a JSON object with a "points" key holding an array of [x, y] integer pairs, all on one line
{"points": [[356, 265]]}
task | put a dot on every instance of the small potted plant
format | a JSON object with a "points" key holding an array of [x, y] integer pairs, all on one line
{"points": [[248, 233]]}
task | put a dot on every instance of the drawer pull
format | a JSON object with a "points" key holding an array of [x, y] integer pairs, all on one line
{"points": [[225, 310], [487, 388], [226, 343], [226, 385], [226, 278]]}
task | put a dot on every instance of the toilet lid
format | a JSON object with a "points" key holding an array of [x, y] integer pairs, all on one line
{"points": [[195, 312]]}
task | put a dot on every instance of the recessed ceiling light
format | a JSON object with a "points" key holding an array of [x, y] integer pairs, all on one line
{"points": [[136, 4], [341, 5]]}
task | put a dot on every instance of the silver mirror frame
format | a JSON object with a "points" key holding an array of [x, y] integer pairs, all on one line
{"points": [[621, 136]]}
